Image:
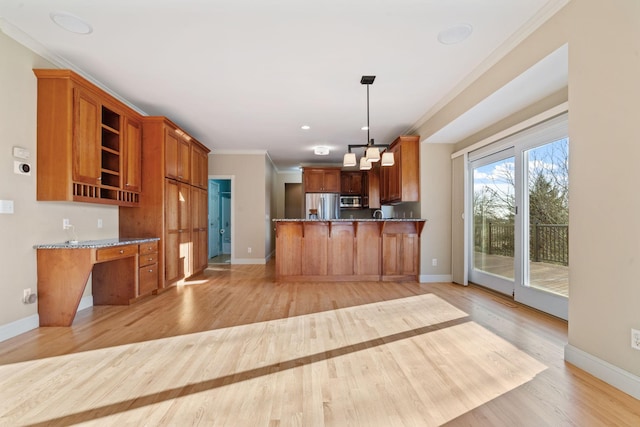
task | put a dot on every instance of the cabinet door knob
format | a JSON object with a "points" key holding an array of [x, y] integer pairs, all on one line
{"points": [[121, 251], [151, 270]]}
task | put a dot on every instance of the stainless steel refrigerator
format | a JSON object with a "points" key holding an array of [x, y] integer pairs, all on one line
{"points": [[327, 205]]}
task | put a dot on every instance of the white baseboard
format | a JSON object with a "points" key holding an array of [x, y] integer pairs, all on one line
{"points": [[435, 278], [18, 327], [611, 374], [248, 261], [27, 324]]}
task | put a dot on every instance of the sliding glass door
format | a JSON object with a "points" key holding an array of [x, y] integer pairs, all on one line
{"points": [[520, 217], [545, 227], [493, 207]]}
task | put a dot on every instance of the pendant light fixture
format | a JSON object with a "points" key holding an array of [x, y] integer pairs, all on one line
{"points": [[372, 150]]}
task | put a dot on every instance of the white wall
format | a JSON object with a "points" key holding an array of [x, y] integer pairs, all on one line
{"points": [[435, 207], [604, 91], [33, 222], [603, 94]]}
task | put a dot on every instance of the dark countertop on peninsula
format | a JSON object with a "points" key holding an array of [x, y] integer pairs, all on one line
{"points": [[96, 244]]}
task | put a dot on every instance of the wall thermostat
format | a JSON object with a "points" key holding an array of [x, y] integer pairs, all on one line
{"points": [[21, 168]]}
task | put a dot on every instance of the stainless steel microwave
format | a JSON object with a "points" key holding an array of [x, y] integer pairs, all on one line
{"points": [[350, 201]]}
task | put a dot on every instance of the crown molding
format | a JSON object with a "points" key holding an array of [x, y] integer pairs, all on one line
{"points": [[549, 10], [39, 49]]}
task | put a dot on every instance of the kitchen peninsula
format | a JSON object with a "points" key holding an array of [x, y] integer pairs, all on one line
{"points": [[348, 249]]}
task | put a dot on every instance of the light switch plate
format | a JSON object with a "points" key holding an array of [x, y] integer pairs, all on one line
{"points": [[6, 206], [21, 153]]}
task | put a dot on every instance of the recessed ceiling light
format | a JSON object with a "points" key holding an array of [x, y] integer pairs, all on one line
{"points": [[321, 151], [305, 127], [71, 23], [455, 34]]}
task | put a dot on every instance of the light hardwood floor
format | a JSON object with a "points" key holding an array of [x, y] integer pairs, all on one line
{"points": [[233, 348]]}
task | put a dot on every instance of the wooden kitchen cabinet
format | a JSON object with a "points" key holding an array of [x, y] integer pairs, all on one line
{"points": [[321, 180], [199, 167], [178, 155], [148, 268], [199, 228], [401, 251], [170, 207], [132, 162], [177, 231], [351, 183], [86, 143], [401, 182], [372, 188], [354, 250]]}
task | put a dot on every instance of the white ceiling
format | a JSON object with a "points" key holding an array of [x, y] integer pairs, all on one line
{"points": [[247, 74]]}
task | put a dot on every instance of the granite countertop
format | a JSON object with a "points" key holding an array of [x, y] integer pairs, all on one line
{"points": [[96, 244], [351, 220]]}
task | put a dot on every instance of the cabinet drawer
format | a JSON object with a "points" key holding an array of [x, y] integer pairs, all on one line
{"points": [[148, 279], [148, 248], [116, 252], [147, 259]]}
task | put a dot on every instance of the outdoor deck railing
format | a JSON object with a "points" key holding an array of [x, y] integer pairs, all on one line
{"points": [[547, 243]]}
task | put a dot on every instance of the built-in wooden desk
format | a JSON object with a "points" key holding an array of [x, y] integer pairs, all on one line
{"points": [[123, 270]]}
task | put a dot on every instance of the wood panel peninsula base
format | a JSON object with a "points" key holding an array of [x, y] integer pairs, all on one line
{"points": [[348, 250]]}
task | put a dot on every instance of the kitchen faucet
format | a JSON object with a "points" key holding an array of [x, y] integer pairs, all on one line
{"points": [[376, 211]]}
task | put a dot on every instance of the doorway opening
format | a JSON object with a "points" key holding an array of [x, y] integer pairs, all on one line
{"points": [[293, 201], [220, 227]]}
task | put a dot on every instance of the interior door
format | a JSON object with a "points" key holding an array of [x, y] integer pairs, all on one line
{"points": [[214, 219], [225, 224]]}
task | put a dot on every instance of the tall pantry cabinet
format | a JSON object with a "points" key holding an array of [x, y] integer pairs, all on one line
{"points": [[173, 203]]}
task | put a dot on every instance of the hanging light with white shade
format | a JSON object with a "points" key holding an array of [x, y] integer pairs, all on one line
{"points": [[372, 150]]}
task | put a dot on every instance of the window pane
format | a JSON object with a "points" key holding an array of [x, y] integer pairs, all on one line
{"points": [[493, 218], [548, 192]]}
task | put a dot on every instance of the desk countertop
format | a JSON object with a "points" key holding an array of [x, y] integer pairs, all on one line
{"points": [[96, 244]]}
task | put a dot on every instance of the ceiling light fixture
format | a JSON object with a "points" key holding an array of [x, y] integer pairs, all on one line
{"points": [[305, 127], [321, 151], [372, 151], [71, 23]]}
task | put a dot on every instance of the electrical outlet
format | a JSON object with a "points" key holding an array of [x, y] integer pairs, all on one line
{"points": [[65, 223], [434, 262], [28, 297], [635, 339], [249, 250], [99, 223]]}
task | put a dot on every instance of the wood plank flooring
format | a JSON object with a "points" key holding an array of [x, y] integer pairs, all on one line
{"points": [[234, 348]]}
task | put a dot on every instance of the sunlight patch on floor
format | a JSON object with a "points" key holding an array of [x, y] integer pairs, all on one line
{"points": [[419, 358]]}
